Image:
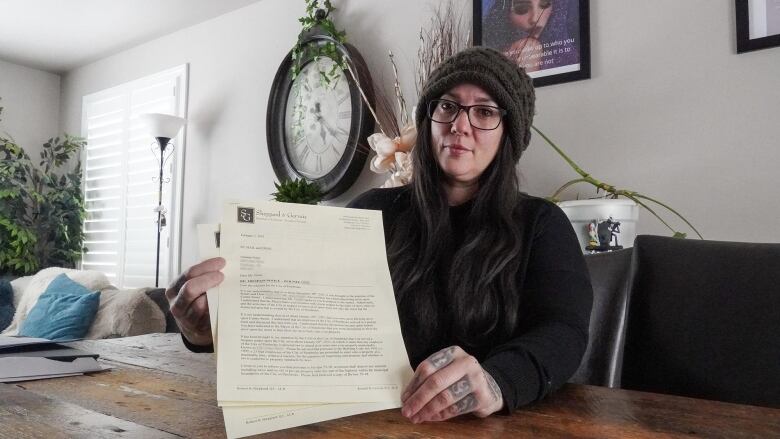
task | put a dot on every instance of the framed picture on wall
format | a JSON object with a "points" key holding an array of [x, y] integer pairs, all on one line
{"points": [[549, 38], [758, 24]]}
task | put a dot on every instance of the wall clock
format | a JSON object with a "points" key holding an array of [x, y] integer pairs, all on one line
{"points": [[317, 129]]}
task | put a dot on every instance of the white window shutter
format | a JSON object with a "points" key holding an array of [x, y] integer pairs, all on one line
{"points": [[121, 170]]}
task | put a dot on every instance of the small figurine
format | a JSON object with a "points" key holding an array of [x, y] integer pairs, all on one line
{"points": [[607, 231], [593, 240]]}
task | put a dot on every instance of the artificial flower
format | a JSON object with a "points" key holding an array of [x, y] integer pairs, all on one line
{"points": [[388, 150]]}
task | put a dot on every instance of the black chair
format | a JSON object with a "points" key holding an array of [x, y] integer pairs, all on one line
{"points": [[600, 365], [704, 320]]}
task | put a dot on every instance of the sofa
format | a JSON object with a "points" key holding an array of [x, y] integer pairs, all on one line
{"points": [[121, 312]]}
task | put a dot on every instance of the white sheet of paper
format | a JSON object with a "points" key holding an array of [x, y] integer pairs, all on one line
{"points": [[12, 368], [307, 311], [245, 418]]}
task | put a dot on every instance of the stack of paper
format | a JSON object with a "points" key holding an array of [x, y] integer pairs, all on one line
{"points": [[27, 358], [305, 321]]}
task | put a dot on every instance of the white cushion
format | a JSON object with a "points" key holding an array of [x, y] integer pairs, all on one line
{"points": [[19, 285], [125, 313], [92, 280]]}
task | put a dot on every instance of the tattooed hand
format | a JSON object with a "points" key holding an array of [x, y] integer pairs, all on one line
{"points": [[447, 384]]}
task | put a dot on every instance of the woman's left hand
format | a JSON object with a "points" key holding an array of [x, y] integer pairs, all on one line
{"points": [[447, 384]]}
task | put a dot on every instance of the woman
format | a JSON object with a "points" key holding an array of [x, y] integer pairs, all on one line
{"points": [[492, 290]]}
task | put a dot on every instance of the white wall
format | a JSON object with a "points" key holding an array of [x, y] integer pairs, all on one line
{"points": [[31, 99], [671, 111]]}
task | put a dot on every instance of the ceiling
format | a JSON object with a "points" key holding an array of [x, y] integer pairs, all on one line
{"points": [[60, 35]]}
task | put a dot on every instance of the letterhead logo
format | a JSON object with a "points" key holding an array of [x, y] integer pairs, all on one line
{"points": [[246, 215]]}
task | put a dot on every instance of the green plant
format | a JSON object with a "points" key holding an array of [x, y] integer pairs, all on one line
{"points": [[41, 208], [318, 17], [613, 192], [299, 191]]}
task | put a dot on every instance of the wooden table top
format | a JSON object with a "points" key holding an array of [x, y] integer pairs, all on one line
{"points": [[158, 389]]}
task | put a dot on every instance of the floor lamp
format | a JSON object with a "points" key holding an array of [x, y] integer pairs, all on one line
{"points": [[162, 127]]}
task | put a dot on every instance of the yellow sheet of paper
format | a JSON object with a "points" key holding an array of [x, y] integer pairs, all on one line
{"points": [[246, 421], [307, 311], [246, 418]]}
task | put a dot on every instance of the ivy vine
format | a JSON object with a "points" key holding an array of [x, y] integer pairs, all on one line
{"points": [[317, 18]]}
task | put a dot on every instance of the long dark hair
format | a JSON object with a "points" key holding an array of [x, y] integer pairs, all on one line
{"points": [[481, 290]]}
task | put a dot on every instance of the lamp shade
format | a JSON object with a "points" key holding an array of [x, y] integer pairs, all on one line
{"points": [[162, 125]]}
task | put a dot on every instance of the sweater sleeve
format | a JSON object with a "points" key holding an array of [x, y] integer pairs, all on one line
{"points": [[556, 303], [371, 199], [196, 347]]}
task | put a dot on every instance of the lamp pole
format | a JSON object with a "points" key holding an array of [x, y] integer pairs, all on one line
{"points": [[163, 142], [162, 127]]}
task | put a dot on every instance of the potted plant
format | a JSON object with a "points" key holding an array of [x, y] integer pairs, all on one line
{"points": [[41, 207], [299, 191], [583, 212]]}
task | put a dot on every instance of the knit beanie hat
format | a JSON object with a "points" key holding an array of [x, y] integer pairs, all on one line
{"points": [[501, 78]]}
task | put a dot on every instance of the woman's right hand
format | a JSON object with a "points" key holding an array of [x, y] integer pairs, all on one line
{"points": [[187, 299]]}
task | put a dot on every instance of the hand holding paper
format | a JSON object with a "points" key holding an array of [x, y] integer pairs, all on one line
{"points": [[187, 299]]}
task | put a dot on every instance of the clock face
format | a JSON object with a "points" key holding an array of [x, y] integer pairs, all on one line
{"points": [[317, 129], [318, 118]]}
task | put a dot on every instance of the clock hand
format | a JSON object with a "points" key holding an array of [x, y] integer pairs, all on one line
{"points": [[333, 131], [322, 130]]}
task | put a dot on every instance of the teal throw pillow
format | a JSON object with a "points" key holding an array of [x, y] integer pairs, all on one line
{"points": [[64, 311], [6, 303]]}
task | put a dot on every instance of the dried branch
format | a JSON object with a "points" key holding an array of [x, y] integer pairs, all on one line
{"points": [[385, 112], [446, 35], [399, 95]]}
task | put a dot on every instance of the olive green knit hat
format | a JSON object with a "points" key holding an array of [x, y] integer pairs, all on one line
{"points": [[507, 83]]}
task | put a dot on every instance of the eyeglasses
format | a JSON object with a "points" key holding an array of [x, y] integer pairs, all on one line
{"points": [[481, 117]]}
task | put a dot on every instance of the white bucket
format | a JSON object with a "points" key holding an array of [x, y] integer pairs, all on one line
{"points": [[583, 212]]}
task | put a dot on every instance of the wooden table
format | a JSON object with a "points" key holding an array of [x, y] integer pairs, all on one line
{"points": [[158, 389]]}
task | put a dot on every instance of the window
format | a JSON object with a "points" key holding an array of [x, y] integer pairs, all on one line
{"points": [[121, 181]]}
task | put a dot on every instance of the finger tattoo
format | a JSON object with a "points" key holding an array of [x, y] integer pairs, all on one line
{"points": [[460, 388], [465, 405], [442, 358], [494, 389]]}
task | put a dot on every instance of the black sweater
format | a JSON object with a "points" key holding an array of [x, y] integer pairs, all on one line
{"points": [[552, 333]]}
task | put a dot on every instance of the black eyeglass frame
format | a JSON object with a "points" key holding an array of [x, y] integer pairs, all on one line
{"points": [[467, 108]]}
